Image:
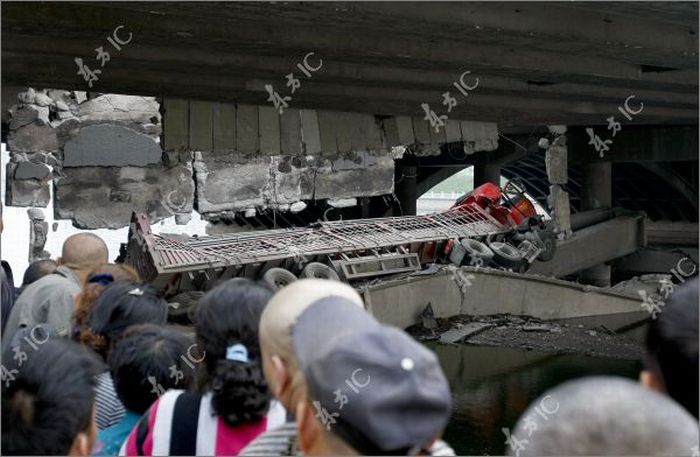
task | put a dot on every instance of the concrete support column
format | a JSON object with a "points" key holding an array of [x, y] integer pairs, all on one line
{"points": [[597, 186], [486, 172], [556, 162], [406, 188], [597, 193]]}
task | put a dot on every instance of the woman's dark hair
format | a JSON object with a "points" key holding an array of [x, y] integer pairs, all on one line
{"points": [[121, 305], [226, 316], [672, 346], [47, 397], [148, 360]]}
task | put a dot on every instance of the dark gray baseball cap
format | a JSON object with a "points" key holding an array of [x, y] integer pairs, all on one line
{"points": [[372, 385]]}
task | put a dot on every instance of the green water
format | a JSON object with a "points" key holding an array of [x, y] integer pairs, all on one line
{"points": [[491, 387]]}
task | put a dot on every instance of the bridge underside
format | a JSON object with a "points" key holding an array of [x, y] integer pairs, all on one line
{"points": [[538, 64], [212, 140]]}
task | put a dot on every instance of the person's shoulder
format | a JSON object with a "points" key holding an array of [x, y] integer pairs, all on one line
{"points": [[276, 442]]}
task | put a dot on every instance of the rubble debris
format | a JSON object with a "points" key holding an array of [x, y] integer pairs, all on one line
{"points": [[428, 318], [537, 328], [506, 330], [38, 231], [463, 332]]}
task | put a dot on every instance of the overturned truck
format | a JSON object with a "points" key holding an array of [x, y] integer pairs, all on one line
{"points": [[489, 226]]}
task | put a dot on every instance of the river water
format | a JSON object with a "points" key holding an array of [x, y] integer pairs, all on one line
{"points": [[492, 386]]}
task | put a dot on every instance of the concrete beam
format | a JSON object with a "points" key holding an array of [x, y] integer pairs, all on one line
{"points": [[594, 245], [488, 291]]}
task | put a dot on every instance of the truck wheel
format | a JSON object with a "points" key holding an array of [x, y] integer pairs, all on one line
{"points": [[549, 242], [320, 271], [278, 277], [478, 254], [506, 255]]}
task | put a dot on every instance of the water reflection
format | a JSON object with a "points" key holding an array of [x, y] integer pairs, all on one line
{"points": [[491, 387]]}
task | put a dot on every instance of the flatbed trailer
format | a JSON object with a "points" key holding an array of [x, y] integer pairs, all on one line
{"points": [[355, 249]]}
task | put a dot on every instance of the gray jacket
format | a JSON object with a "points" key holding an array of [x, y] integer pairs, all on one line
{"points": [[49, 301]]}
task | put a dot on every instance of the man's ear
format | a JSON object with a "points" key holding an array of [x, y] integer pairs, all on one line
{"points": [[281, 375], [649, 380], [308, 430], [59, 261], [80, 446]]}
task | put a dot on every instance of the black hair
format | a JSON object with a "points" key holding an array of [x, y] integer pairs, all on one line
{"points": [[37, 270], [149, 358], [672, 346], [49, 399], [226, 315], [121, 305]]}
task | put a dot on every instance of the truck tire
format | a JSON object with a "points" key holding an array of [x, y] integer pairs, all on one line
{"points": [[278, 277], [549, 245], [478, 254], [320, 271], [506, 255]]}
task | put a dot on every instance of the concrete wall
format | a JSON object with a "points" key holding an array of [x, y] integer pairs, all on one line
{"points": [[108, 155], [484, 291]]}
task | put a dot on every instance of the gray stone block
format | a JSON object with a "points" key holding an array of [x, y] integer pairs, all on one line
{"points": [[31, 170], [28, 114], [42, 99], [114, 107], [558, 202], [27, 192], [225, 186], [33, 138], [556, 163], [110, 145], [104, 197]]}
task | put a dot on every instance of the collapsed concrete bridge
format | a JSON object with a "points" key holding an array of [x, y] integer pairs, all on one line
{"points": [[209, 138]]}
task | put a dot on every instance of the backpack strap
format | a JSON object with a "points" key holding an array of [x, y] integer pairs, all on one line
{"points": [[183, 435]]}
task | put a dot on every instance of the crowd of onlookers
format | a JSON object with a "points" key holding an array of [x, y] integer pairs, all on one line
{"points": [[92, 365]]}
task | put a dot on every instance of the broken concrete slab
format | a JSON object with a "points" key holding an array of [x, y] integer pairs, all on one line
{"points": [[33, 138], [105, 197], [223, 186], [27, 96], [349, 161], [364, 182], [109, 145], [114, 107], [41, 99], [28, 114], [26, 192], [455, 335]]}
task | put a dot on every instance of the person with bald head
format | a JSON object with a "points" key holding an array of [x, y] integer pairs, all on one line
{"points": [[50, 300], [281, 362]]}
